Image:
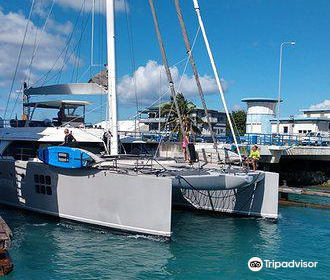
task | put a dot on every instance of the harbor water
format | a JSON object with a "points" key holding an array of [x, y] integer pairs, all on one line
{"points": [[203, 247]]}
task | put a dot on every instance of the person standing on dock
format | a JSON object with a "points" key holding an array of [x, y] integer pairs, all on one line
{"points": [[253, 158]]}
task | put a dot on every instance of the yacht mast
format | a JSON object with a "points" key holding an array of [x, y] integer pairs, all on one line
{"points": [[167, 69], [196, 75], [112, 88], [214, 67]]}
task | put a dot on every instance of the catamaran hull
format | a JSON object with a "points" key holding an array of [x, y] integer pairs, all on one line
{"points": [[259, 199], [139, 204], [216, 180]]}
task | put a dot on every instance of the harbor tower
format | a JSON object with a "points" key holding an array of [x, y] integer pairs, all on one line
{"points": [[260, 111]]}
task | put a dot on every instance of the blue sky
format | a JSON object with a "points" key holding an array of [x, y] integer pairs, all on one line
{"points": [[245, 36]]}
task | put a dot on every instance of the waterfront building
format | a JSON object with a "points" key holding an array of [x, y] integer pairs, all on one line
{"points": [[312, 120], [151, 117], [125, 126], [261, 119], [260, 112]]}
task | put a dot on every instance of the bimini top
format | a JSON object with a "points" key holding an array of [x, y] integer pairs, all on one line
{"points": [[67, 89], [57, 104], [260, 99]]}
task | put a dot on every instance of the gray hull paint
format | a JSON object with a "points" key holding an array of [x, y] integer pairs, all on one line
{"points": [[131, 203]]}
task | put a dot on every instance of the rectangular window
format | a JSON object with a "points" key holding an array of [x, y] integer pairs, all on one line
{"points": [[285, 129], [36, 178], [42, 179], [48, 180], [42, 189], [49, 190]]}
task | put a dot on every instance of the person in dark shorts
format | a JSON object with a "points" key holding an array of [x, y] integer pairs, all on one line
{"points": [[60, 116], [69, 140]]}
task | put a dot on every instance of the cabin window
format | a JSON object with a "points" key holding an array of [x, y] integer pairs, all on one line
{"points": [[285, 129], [49, 190], [48, 180], [42, 189], [43, 184], [42, 179], [36, 178], [21, 150]]}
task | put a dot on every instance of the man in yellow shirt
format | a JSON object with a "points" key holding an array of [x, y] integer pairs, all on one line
{"points": [[253, 157]]}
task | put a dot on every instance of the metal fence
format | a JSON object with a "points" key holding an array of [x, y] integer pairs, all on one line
{"points": [[285, 140]]}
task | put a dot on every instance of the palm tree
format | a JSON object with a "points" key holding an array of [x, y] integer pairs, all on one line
{"points": [[192, 124]]}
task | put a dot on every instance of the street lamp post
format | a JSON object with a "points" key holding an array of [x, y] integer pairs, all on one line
{"points": [[280, 83]]}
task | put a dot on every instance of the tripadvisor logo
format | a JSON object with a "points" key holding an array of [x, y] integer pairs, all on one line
{"points": [[256, 264]]}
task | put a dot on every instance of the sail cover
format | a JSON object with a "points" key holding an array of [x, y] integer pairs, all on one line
{"points": [[67, 89], [100, 78]]}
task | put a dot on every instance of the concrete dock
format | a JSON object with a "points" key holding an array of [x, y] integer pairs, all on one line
{"points": [[269, 154]]}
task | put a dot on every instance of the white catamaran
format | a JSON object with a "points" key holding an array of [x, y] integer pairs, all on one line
{"points": [[93, 184]]}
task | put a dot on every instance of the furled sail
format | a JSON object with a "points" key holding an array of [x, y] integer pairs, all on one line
{"points": [[101, 79]]}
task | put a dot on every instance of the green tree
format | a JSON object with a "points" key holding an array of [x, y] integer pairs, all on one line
{"points": [[238, 118], [192, 124]]}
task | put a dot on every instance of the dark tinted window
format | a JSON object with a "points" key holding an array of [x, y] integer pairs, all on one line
{"points": [[42, 190], [22, 150]]}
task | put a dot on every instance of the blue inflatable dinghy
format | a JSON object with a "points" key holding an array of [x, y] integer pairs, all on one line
{"points": [[66, 157]]}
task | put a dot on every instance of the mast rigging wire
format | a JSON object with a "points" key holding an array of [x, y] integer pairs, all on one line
{"points": [[68, 58], [68, 46], [34, 53], [167, 69], [38, 44], [19, 59], [215, 70], [45, 76], [179, 87], [132, 57], [196, 75]]}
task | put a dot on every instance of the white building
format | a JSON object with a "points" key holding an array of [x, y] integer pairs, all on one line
{"points": [[313, 120], [260, 112], [125, 126]]}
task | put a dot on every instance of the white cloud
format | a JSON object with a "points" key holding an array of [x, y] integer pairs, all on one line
{"points": [[323, 105], [12, 28], [60, 28], [151, 79], [99, 4]]}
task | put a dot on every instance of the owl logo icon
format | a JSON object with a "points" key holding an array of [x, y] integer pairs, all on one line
{"points": [[255, 264]]}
